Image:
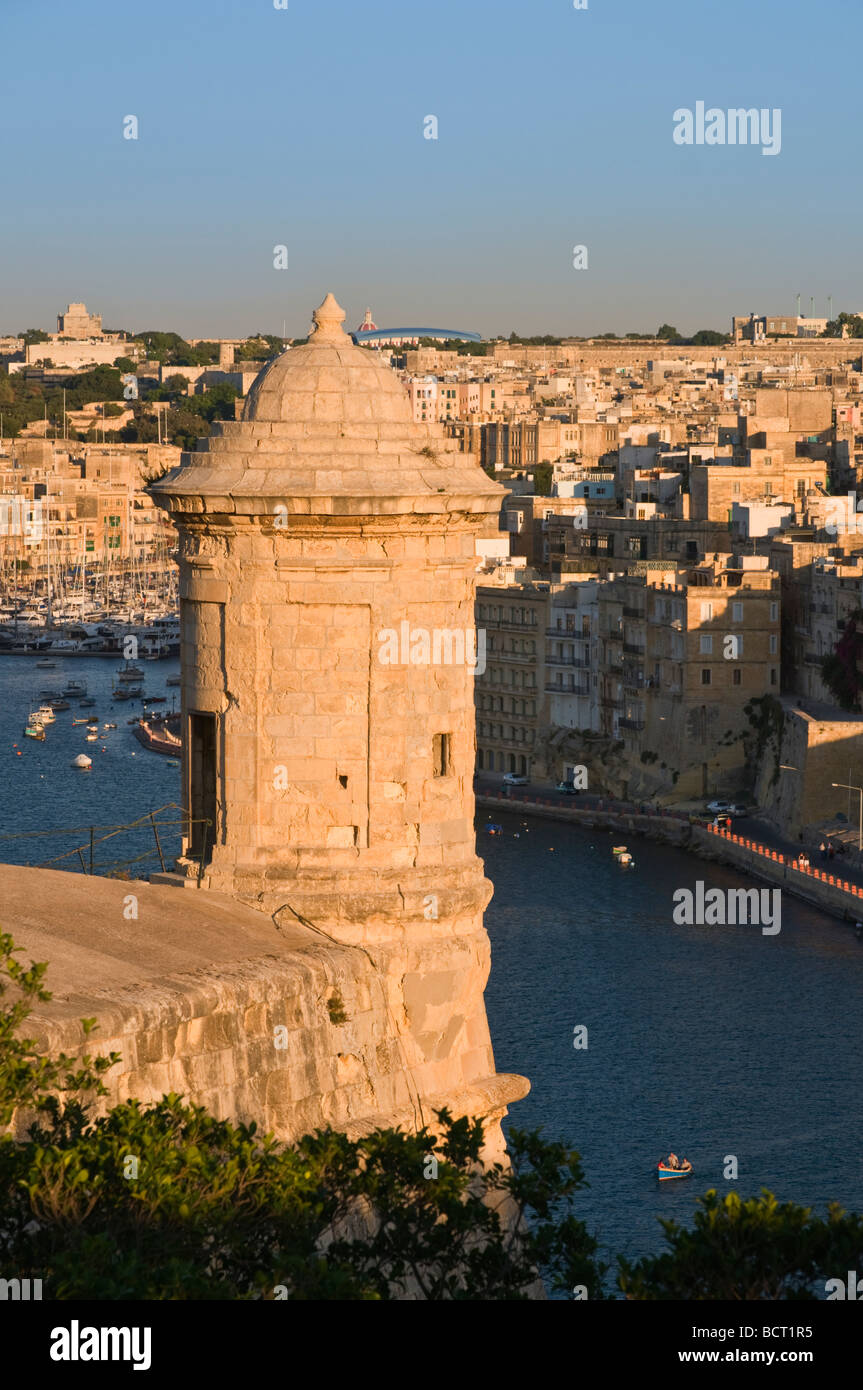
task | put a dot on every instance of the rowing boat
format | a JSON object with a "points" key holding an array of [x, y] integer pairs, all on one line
{"points": [[663, 1172]]}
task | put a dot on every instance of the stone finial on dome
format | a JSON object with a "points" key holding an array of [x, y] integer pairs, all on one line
{"points": [[329, 318]]}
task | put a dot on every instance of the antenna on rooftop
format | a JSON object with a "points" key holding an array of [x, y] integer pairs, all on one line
{"points": [[812, 306]]}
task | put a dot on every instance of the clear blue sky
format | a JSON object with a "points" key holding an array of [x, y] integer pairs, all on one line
{"points": [[305, 128]]}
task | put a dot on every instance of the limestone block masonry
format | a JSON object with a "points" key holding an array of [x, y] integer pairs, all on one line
{"points": [[203, 996], [326, 783]]}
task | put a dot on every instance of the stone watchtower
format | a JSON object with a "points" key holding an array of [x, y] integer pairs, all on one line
{"points": [[327, 567]]}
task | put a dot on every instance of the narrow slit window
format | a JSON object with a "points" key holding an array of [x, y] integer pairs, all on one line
{"points": [[441, 755]]}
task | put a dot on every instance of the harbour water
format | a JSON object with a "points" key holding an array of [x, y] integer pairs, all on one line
{"points": [[40, 792], [710, 1041]]}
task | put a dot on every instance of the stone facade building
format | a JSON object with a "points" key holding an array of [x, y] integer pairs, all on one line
{"points": [[78, 323]]}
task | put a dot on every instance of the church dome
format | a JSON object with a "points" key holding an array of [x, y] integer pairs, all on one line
{"points": [[328, 379]]}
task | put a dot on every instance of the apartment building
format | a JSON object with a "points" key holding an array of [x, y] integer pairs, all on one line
{"points": [[510, 699]]}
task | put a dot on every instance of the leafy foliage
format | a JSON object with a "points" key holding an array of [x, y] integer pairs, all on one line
{"points": [[840, 669], [172, 350], [752, 1249], [24, 401], [259, 347], [853, 323], [25, 1076]]}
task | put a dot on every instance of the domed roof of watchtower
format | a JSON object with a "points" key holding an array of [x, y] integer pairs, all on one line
{"points": [[327, 429], [328, 379]]}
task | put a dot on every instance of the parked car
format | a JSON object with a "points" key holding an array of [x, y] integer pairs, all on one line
{"points": [[514, 779], [568, 788], [720, 808]]}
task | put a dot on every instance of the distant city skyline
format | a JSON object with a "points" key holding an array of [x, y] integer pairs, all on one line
{"points": [[441, 167]]}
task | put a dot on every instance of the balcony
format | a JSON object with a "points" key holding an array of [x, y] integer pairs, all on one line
{"points": [[630, 723], [507, 625], [634, 612], [576, 661], [582, 691], [634, 648], [566, 634]]}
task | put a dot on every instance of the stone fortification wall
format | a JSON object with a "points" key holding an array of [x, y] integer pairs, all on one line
{"points": [[814, 753], [279, 1026]]}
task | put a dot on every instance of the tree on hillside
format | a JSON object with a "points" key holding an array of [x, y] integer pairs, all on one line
{"points": [[542, 476], [853, 323], [665, 330], [708, 337], [172, 350], [259, 346]]}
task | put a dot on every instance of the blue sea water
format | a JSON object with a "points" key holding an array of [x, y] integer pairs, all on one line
{"points": [[708, 1041]]}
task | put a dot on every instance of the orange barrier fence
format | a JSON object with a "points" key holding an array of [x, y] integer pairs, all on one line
{"points": [[855, 889]]}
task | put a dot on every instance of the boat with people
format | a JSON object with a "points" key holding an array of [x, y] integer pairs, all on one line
{"points": [[673, 1167], [43, 715], [34, 731]]}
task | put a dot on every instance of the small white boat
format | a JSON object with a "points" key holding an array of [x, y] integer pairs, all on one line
{"points": [[82, 762], [626, 860], [44, 715], [91, 738]]}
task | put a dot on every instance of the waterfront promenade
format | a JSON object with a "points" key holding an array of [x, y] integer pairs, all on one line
{"points": [[760, 852]]}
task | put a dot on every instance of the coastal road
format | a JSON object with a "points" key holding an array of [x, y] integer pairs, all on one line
{"points": [[753, 828]]}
